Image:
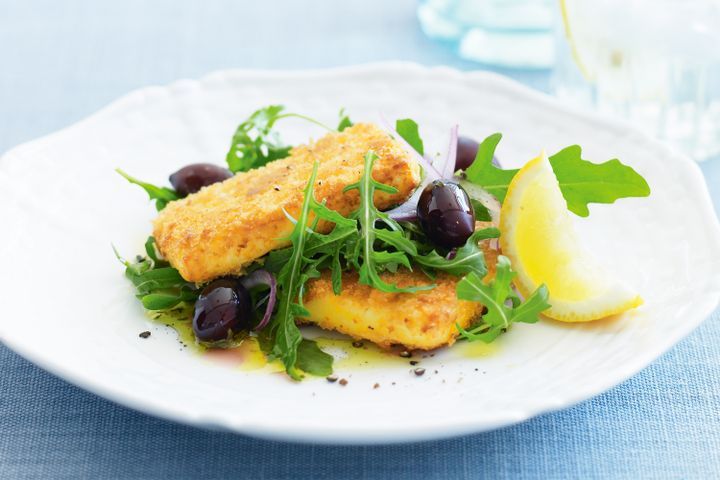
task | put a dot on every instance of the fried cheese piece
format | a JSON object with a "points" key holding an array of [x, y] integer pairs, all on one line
{"points": [[424, 320], [223, 227]]}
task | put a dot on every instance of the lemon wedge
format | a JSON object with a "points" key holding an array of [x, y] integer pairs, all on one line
{"points": [[539, 238]]}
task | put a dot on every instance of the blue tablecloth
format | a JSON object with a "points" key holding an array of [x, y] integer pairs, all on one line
{"points": [[60, 61]]}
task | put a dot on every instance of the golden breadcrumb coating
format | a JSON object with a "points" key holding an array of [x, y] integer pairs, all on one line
{"points": [[223, 227], [423, 320]]}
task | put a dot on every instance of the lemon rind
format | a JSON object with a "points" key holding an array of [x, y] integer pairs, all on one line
{"points": [[613, 300]]}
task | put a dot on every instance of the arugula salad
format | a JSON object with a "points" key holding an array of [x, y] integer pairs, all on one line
{"points": [[463, 228]]}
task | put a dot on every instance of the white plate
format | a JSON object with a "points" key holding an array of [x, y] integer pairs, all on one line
{"points": [[69, 309]]}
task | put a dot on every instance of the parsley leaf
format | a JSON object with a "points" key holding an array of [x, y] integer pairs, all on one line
{"points": [[161, 195], [408, 129], [345, 121], [504, 307], [581, 181], [255, 143]]}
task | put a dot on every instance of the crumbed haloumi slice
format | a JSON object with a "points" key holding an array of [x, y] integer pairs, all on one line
{"points": [[224, 227], [424, 320]]}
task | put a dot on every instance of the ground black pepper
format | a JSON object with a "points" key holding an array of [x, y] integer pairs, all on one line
{"points": [[331, 378], [144, 334], [419, 371], [357, 344]]}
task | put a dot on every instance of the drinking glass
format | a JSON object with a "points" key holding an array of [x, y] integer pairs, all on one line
{"points": [[655, 63], [507, 33]]}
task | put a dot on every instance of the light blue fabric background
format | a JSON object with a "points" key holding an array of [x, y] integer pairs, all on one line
{"points": [[60, 61]]}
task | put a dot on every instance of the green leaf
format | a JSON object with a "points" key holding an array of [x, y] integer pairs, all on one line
{"points": [[363, 255], [276, 259], [317, 243], [482, 214], [484, 173], [254, 144], [294, 273], [503, 305], [345, 121], [583, 182], [468, 259], [161, 195], [152, 252], [336, 271], [157, 285], [160, 301], [397, 239], [527, 312], [154, 278], [409, 130], [478, 196], [311, 359]]}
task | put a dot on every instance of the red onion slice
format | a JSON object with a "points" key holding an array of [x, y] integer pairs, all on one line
{"points": [[407, 211], [262, 277], [448, 169]]}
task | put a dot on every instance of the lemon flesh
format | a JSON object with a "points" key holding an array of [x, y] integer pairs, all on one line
{"points": [[539, 238]]}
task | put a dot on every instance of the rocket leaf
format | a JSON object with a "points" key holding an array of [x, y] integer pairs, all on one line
{"points": [[581, 182]]}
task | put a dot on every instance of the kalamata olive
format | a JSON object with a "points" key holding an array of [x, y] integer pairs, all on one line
{"points": [[193, 177], [224, 305], [446, 214], [467, 149]]}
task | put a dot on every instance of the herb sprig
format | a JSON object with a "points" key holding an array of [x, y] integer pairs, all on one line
{"points": [[370, 242], [255, 143], [158, 285], [284, 334], [160, 195], [581, 181], [504, 306], [364, 257], [467, 259]]}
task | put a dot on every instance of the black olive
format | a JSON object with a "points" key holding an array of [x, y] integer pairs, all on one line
{"points": [[446, 214], [193, 177], [467, 149], [224, 305]]}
